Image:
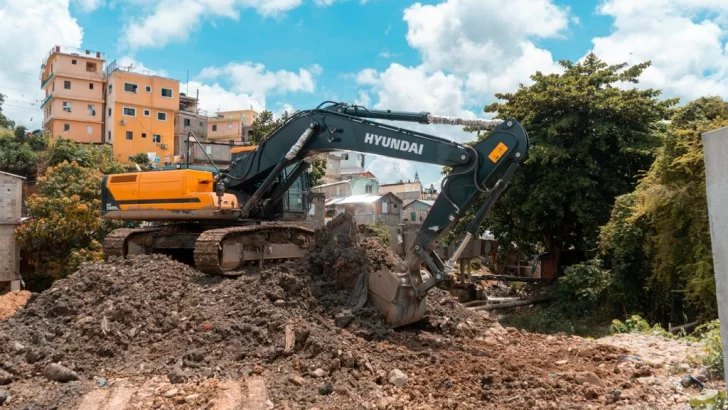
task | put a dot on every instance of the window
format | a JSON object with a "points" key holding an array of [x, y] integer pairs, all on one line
{"points": [[187, 122], [92, 110], [53, 86], [148, 88], [90, 86], [201, 124], [130, 88], [156, 138], [230, 126], [129, 135], [109, 88], [413, 216], [214, 127], [67, 85], [167, 92], [130, 112], [89, 130], [90, 67], [147, 113], [344, 156], [109, 112], [162, 116], [384, 208], [66, 127], [368, 189], [66, 106], [108, 136], [73, 62], [144, 134]]}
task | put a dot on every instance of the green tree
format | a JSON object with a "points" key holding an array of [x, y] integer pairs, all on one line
{"points": [[318, 170], [64, 226], [658, 238], [590, 138], [143, 161], [265, 124], [4, 121]]}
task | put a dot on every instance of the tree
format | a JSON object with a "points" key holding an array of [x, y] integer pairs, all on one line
{"points": [[590, 139], [658, 238], [318, 170], [64, 226], [265, 124], [143, 161], [4, 121]]}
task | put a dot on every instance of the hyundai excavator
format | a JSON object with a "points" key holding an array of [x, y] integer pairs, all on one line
{"points": [[246, 213]]}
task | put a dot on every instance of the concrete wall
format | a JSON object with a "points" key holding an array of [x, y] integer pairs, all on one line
{"points": [[715, 149], [11, 204], [334, 190]]}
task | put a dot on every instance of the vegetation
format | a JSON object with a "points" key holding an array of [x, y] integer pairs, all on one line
{"points": [[4, 121], [64, 227], [382, 231]]}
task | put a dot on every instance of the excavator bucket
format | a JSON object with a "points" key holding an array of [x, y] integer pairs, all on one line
{"points": [[393, 294]]}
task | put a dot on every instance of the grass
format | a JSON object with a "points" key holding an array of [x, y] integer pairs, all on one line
{"points": [[550, 320]]}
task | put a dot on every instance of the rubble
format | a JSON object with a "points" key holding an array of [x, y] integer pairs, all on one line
{"points": [[165, 335]]}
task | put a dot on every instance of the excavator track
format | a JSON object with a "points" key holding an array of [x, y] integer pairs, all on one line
{"points": [[226, 251], [115, 242]]}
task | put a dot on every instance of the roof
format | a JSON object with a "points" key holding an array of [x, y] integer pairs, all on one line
{"points": [[427, 202], [332, 183], [359, 199], [245, 148], [12, 175]]}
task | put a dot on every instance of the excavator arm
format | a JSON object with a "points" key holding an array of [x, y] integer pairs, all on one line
{"points": [[478, 171]]}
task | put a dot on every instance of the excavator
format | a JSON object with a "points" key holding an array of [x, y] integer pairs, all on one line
{"points": [[251, 211]]}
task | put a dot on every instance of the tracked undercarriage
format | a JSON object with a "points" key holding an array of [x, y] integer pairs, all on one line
{"points": [[222, 251]]}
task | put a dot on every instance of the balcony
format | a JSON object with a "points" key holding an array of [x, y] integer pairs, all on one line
{"points": [[46, 100], [43, 84]]}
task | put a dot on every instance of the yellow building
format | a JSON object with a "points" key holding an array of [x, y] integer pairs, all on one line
{"points": [[231, 126], [73, 82], [140, 112]]}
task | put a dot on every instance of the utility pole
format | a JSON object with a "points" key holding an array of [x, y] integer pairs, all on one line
{"points": [[715, 150]]}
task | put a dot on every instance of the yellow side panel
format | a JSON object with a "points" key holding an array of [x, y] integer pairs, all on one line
{"points": [[168, 190]]}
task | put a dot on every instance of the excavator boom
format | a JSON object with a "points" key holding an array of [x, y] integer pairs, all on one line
{"points": [[251, 190]]}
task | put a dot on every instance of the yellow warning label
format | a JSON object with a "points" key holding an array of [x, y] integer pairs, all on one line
{"points": [[498, 152]]}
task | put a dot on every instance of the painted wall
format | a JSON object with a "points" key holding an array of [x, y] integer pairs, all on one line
{"points": [[137, 132], [415, 212], [81, 131], [11, 199]]}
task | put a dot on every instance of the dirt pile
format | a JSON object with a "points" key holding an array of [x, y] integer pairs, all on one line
{"points": [[289, 334], [12, 301]]}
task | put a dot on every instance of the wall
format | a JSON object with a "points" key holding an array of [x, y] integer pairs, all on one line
{"points": [[78, 131], [142, 127], [198, 126], [359, 185], [419, 209], [225, 130], [11, 199], [333, 169], [406, 191], [334, 190]]}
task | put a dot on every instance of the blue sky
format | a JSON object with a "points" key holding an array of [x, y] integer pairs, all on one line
{"points": [[448, 57]]}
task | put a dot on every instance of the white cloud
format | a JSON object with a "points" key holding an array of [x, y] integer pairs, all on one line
{"points": [[30, 29], [175, 20], [254, 78], [684, 39], [89, 5], [137, 66], [214, 97]]}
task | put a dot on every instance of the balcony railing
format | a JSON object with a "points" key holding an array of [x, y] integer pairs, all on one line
{"points": [[43, 84], [46, 100], [71, 51]]}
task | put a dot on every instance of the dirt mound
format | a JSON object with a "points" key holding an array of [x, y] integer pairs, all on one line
{"points": [[12, 301], [289, 330]]}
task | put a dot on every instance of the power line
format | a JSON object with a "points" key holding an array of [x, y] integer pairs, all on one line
{"points": [[25, 108]]}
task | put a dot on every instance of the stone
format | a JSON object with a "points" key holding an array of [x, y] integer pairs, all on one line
{"points": [[561, 362], [258, 369], [297, 380], [326, 389], [617, 394], [177, 376], [318, 373], [397, 378], [18, 347], [289, 339], [4, 395], [171, 393], [588, 377], [644, 371], [59, 373], [5, 377], [344, 319], [269, 404], [191, 398], [591, 394], [279, 302]]}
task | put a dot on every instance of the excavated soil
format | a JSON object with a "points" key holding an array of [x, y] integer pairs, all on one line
{"points": [[12, 301], [166, 336]]}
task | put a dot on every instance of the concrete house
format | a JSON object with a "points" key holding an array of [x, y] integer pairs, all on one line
{"points": [[368, 209], [11, 204], [416, 211]]}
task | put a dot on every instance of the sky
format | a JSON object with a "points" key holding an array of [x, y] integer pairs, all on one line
{"points": [[447, 57]]}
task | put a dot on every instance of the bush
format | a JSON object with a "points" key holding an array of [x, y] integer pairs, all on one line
{"points": [[712, 356], [382, 231], [635, 324]]}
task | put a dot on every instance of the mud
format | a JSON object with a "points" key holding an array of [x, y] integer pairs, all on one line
{"points": [[290, 331]]}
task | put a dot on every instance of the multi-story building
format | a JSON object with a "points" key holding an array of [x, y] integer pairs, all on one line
{"points": [[186, 120], [140, 112], [231, 126], [73, 82]]}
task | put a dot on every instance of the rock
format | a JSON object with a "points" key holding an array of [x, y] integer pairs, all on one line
{"points": [[463, 330], [588, 377], [258, 369], [269, 404], [297, 380], [5, 377], [279, 302], [397, 378], [591, 394], [702, 377], [326, 389], [319, 373], [177, 376], [4, 394], [171, 393], [344, 319], [289, 339], [561, 362], [191, 398], [644, 371], [56, 372], [18, 347], [617, 394]]}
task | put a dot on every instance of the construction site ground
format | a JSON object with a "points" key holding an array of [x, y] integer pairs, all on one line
{"points": [[151, 333]]}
